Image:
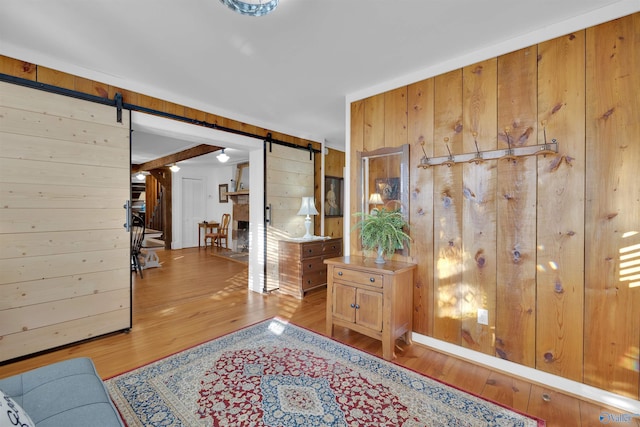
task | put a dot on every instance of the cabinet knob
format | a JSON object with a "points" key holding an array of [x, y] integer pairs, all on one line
{"points": [[357, 306], [339, 273], [372, 279], [353, 305]]}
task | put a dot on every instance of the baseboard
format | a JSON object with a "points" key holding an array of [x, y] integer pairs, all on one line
{"points": [[571, 387]]}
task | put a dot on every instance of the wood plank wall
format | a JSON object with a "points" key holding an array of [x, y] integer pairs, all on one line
{"points": [[333, 166], [549, 245]]}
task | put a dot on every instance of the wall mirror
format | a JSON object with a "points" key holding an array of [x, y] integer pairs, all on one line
{"points": [[383, 179]]}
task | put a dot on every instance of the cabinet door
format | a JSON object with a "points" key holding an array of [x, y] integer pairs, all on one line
{"points": [[369, 309], [344, 298]]}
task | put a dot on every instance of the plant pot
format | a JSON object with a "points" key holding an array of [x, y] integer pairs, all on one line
{"points": [[380, 259]]}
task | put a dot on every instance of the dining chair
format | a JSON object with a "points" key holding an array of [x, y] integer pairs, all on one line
{"points": [[137, 237], [221, 233]]}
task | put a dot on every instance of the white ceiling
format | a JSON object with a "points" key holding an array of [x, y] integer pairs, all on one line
{"points": [[290, 71]]}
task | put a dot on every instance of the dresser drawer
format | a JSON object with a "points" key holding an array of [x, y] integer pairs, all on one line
{"points": [[332, 249], [313, 279], [359, 277], [309, 250], [313, 264]]}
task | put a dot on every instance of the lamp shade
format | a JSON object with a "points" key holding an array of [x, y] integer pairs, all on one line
{"points": [[375, 199], [307, 207]]}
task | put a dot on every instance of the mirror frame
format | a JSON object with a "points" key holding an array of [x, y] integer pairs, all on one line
{"points": [[363, 158]]}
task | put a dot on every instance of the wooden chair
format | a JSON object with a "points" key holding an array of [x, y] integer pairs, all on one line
{"points": [[137, 237], [221, 233]]}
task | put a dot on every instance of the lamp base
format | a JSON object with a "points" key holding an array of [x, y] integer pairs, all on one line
{"points": [[307, 226]]}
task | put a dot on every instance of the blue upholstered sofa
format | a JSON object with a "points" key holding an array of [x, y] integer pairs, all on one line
{"points": [[68, 393]]}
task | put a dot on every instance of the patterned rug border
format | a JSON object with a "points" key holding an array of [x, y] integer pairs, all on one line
{"points": [[370, 357]]}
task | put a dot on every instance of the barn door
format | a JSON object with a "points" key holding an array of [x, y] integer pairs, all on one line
{"points": [[289, 176], [64, 253]]}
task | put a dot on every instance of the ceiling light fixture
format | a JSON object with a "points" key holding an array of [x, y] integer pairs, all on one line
{"points": [[140, 176], [222, 158], [174, 168], [251, 7]]}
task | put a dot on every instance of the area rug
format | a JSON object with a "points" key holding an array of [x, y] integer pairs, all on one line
{"points": [[278, 374]]}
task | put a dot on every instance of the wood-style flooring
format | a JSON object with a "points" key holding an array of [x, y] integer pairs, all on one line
{"points": [[195, 297]]}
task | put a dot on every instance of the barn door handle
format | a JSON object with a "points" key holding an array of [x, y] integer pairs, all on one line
{"points": [[127, 220]]}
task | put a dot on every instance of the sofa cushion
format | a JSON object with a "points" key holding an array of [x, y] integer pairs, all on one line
{"points": [[68, 393], [11, 414]]}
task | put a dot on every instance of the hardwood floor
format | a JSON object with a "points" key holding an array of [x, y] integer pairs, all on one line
{"points": [[195, 297]]}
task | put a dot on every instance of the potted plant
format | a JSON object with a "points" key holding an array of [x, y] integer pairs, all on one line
{"points": [[382, 230]]}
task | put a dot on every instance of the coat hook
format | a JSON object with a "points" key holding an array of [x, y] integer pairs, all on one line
{"points": [[478, 158], [545, 148], [509, 155], [451, 160], [424, 161]]}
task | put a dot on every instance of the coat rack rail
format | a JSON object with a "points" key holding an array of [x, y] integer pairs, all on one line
{"points": [[480, 156]]}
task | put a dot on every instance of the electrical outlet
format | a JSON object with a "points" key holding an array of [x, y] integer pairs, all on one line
{"points": [[483, 316]]}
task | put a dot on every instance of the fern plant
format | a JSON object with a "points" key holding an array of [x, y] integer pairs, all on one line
{"points": [[382, 230]]}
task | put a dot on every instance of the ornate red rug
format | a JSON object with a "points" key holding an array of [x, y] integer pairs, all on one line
{"points": [[278, 374]]}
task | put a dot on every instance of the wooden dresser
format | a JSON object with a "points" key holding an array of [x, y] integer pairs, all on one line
{"points": [[301, 263], [373, 299]]}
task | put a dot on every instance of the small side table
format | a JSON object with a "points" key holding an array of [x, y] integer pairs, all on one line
{"points": [[207, 226], [373, 299]]}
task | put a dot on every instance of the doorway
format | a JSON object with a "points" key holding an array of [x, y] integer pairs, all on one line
{"points": [[193, 211]]}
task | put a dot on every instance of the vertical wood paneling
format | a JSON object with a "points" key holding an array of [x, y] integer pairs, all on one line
{"points": [[357, 144], [560, 216], [420, 135], [516, 199], [334, 163], [395, 117], [612, 298], [447, 211], [373, 123], [479, 206], [14, 67]]}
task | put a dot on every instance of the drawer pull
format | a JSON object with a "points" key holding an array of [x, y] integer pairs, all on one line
{"points": [[372, 279], [339, 273]]}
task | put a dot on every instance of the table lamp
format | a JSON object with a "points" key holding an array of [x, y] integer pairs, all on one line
{"points": [[375, 199], [307, 207]]}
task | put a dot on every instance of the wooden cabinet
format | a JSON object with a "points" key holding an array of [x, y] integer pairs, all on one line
{"points": [[301, 264], [373, 299]]}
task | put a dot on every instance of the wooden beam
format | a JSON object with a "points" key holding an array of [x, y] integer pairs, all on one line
{"points": [[189, 153]]}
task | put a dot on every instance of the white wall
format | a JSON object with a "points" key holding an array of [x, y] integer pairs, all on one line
{"points": [[212, 177]]}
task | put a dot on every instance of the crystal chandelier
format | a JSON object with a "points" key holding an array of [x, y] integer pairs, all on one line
{"points": [[251, 7]]}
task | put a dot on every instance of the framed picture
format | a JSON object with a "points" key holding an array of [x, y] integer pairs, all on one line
{"points": [[223, 197], [389, 188], [333, 196]]}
